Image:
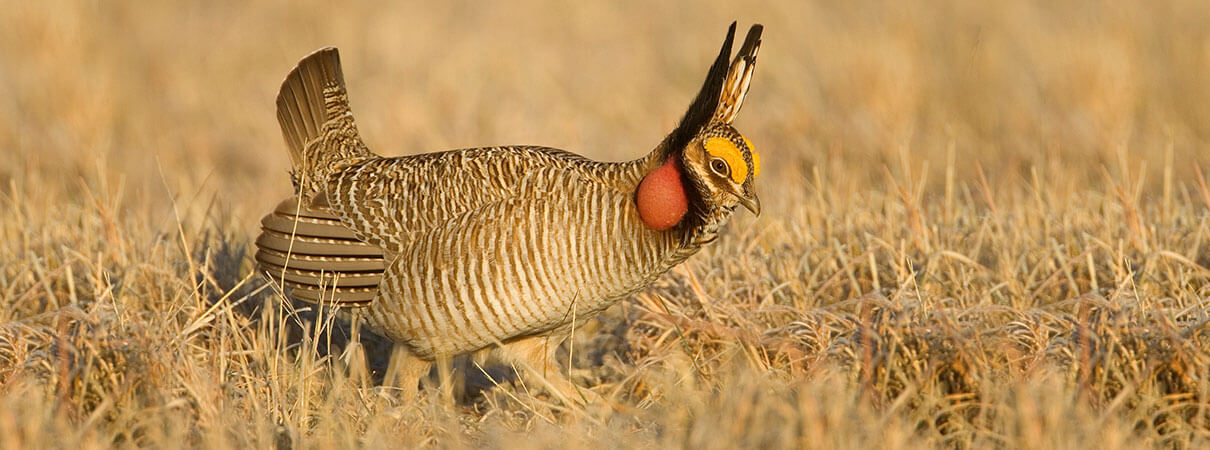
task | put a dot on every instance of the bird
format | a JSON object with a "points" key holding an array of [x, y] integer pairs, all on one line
{"points": [[505, 249]]}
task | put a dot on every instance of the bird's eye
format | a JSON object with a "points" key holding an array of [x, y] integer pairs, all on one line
{"points": [[720, 167]]}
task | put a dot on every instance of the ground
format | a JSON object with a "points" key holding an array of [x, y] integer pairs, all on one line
{"points": [[985, 223]]}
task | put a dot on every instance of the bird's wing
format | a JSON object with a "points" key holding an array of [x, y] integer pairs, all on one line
{"points": [[334, 248], [522, 264], [388, 202], [308, 252]]}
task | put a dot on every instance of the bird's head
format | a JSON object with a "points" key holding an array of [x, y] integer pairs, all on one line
{"points": [[722, 165], [705, 167]]}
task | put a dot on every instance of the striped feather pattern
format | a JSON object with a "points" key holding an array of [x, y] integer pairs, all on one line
{"points": [[316, 121], [739, 77], [506, 256]]}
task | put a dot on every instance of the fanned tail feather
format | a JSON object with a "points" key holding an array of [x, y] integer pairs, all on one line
{"points": [[316, 121]]}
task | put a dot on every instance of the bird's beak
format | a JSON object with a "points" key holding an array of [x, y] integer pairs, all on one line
{"points": [[752, 203]]}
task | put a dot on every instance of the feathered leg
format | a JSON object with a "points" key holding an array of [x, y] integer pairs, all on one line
{"points": [[535, 357], [405, 371]]}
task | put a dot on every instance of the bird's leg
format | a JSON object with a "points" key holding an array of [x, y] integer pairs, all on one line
{"points": [[354, 354], [405, 370], [535, 356], [445, 376]]}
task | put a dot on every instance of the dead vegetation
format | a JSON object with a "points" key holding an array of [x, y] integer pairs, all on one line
{"points": [[986, 225]]}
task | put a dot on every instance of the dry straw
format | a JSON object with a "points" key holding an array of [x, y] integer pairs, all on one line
{"points": [[985, 224]]}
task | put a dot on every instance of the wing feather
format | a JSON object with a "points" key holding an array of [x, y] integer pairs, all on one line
{"points": [[314, 257]]}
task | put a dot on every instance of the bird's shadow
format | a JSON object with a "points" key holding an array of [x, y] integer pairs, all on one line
{"points": [[329, 336]]}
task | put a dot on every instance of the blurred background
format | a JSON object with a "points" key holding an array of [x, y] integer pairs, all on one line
{"points": [[175, 99]]}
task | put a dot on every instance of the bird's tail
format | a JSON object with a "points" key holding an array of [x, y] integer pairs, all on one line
{"points": [[313, 110]]}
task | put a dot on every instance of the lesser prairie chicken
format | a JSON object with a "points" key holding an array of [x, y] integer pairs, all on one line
{"points": [[496, 248]]}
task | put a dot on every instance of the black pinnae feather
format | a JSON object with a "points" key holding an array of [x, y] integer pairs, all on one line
{"points": [[703, 106], [751, 41]]}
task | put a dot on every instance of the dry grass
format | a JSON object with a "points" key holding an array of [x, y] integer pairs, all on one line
{"points": [[984, 223]]}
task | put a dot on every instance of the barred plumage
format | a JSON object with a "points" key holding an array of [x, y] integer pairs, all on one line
{"points": [[457, 251]]}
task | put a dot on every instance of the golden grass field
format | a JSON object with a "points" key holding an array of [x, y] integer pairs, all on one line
{"points": [[984, 223]]}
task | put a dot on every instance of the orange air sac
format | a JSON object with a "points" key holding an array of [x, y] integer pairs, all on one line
{"points": [[661, 197]]}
